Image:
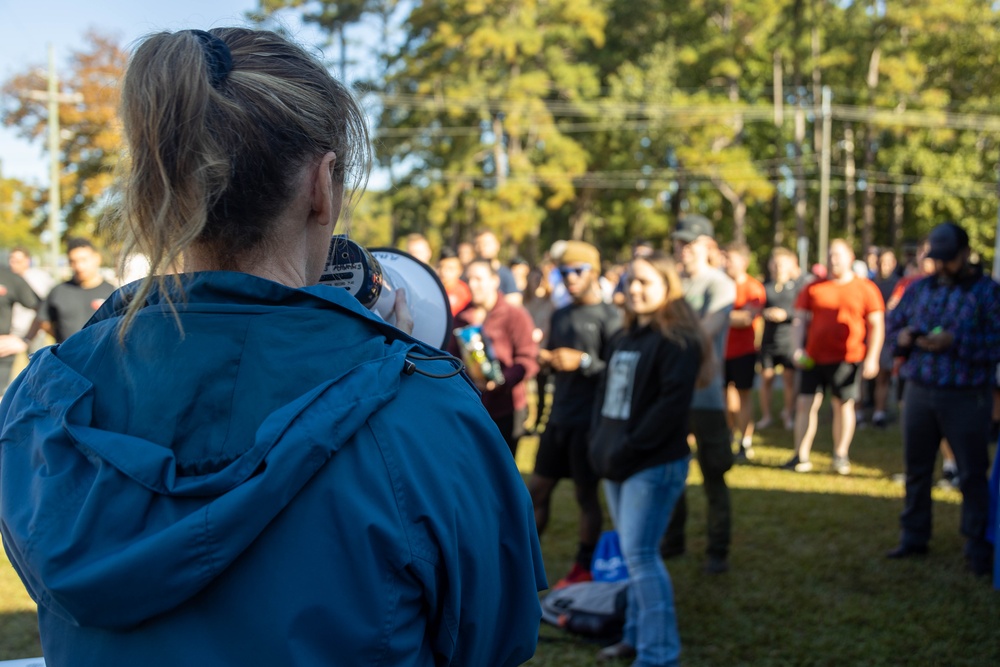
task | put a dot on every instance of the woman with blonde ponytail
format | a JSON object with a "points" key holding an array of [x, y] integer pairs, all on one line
{"points": [[231, 464]]}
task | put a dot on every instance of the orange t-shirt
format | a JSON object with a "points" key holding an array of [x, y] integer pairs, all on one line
{"points": [[839, 323], [750, 294]]}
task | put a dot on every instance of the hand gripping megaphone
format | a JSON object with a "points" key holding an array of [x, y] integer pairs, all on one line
{"points": [[373, 276]]}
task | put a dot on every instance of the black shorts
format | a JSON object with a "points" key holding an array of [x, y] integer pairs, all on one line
{"points": [[741, 371], [841, 379], [773, 358], [562, 452]]}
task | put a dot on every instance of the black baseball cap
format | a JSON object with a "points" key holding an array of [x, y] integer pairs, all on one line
{"points": [[691, 227], [947, 240]]}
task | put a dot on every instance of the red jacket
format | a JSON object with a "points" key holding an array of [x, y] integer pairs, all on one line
{"points": [[508, 328]]}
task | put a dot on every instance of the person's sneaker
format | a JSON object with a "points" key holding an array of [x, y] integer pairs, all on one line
{"points": [[879, 420], [716, 565], [764, 422], [797, 465], [577, 574], [745, 454], [841, 465], [619, 651]]}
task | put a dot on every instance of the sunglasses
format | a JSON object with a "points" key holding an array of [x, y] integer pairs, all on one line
{"points": [[565, 271]]}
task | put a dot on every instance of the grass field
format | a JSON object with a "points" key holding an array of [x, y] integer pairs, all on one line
{"points": [[808, 584]]}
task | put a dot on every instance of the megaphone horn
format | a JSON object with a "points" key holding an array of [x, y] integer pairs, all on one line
{"points": [[373, 276]]}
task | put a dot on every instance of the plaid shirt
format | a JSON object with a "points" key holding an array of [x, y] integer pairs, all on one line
{"points": [[970, 310]]}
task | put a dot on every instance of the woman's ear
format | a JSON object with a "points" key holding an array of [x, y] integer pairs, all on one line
{"points": [[325, 202]]}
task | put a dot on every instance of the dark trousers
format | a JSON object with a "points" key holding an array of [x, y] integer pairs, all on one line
{"points": [[963, 417], [715, 457]]}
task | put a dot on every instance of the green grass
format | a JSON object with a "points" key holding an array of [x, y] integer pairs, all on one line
{"points": [[18, 625], [808, 583]]}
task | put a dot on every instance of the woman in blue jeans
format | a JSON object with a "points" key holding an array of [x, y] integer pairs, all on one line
{"points": [[639, 445]]}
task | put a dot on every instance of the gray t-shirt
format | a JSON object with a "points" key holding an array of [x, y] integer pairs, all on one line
{"points": [[712, 291]]}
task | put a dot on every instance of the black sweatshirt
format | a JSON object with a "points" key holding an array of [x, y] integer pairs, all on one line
{"points": [[641, 417]]}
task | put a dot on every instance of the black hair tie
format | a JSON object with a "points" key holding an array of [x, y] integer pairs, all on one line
{"points": [[220, 59]]}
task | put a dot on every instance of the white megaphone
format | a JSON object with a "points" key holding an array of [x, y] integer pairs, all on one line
{"points": [[373, 276]]}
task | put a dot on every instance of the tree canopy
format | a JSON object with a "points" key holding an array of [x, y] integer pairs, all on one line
{"points": [[91, 140], [608, 119]]}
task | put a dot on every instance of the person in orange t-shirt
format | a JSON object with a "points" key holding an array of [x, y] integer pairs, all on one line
{"points": [[741, 346], [845, 320]]}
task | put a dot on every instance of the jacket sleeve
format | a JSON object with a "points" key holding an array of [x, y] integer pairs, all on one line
{"points": [[23, 294], [897, 319], [470, 527], [525, 349], [978, 341]]}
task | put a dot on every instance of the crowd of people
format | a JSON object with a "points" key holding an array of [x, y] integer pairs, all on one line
{"points": [[628, 362], [34, 309], [189, 462], [623, 405]]}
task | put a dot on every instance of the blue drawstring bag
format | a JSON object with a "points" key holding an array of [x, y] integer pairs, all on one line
{"points": [[608, 563]]}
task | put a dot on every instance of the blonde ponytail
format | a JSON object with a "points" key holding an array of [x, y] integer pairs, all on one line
{"points": [[217, 126]]}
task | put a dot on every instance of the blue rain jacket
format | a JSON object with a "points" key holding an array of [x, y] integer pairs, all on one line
{"points": [[278, 485]]}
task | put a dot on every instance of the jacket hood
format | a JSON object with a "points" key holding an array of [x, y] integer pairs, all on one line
{"points": [[109, 527]]}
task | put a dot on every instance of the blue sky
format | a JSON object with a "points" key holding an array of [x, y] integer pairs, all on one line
{"points": [[28, 28]]}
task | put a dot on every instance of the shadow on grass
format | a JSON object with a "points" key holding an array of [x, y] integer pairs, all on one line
{"points": [[19, 635], [809, 582]]}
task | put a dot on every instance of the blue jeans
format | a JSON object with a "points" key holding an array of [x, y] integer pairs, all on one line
{"points": [[641, 507]]}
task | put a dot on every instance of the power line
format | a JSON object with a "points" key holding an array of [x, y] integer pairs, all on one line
{"points": [[692, 114], [656, 185]]}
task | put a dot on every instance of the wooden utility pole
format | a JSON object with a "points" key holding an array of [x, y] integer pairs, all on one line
{"points": [[824, 176], [779, 121], [850, 188], [53, 98], [802, 238]]}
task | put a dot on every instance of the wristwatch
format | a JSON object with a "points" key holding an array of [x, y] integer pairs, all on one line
{"points": [[585, 361]]}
